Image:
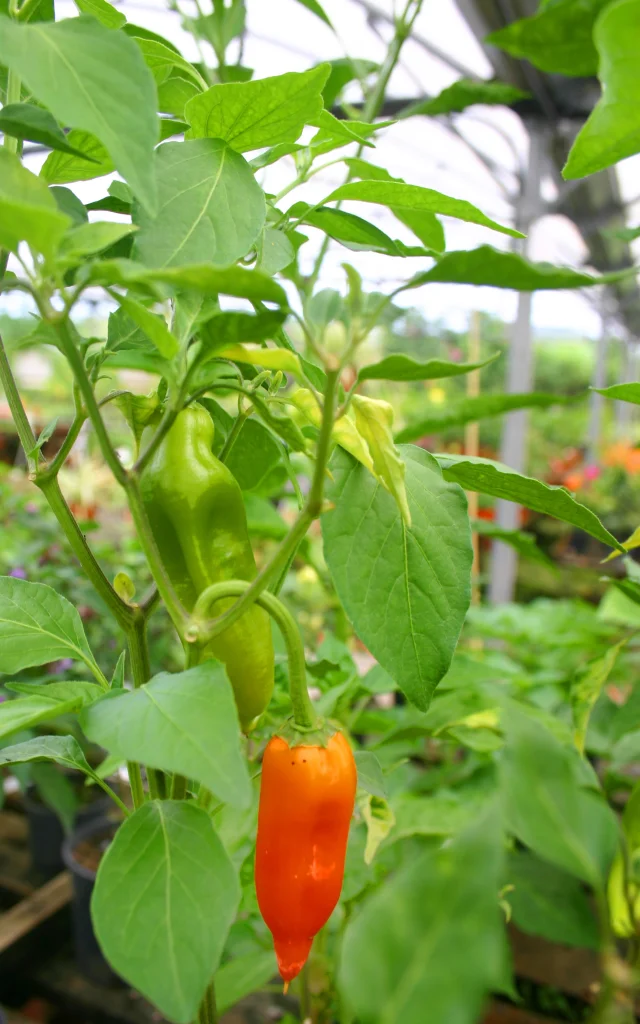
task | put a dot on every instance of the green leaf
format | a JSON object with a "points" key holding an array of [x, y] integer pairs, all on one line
{"points": [[266, 112], [210, 207], [139, 411], [26, 712], [227, 328], [69, 204], [275, 251], [253, 456], [315, 8], [496, 269], [373, 422], [186, 723], [64, 750], [557, 39], [465, 93], [161, 59], [523, 543], [423, 571], [175, 93], [334, 134], [201, 277], [401, 953], [117, 679], [87, 75], [46, 434], [549, 902], [548, 806], [586, 689], [467, 410], [395, 194], [335, 128], [263, 520], [164, 900], [343, 71], [242, 976], [612, 132], [622, 392], [401, 367], [438, 815], [379, 819], [87, 239], [154, 326], [502, 482], [76, 690], [38, 625], [370, 777], [56, 792], [33, 124], [28, 211], [105, 12], [92, 160], [351, 231]]}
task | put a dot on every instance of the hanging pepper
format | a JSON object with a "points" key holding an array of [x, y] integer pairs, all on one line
{"points": [[197, 516], [306, 802]]}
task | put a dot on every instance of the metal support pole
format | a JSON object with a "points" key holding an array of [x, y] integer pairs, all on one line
{"points": [[513, 451], [625, 409]]}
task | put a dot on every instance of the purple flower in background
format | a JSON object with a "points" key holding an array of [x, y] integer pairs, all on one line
{"points": [[18, 573], [2, 699], [31, 508], [63, 665]]}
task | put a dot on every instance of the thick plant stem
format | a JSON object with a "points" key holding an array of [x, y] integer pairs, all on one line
{"points": [[304, 713], [141, 672]]}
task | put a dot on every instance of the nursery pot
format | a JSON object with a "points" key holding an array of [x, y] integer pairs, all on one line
{"points": [[81, 853], [46, 834]]}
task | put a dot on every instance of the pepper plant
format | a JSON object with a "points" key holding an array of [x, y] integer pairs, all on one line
{"points": [[209, 279]]}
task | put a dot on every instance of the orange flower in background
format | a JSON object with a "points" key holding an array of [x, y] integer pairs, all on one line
{"points": [[573, 481], [632, 462], [617, 454]]}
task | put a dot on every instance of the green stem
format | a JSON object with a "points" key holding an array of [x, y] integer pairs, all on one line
{"points": [[110, 792], [121, 611], [163, 429], [234, 433], [65, 448], [69, 348], [303, 711], [178, 787], [140, 673], [23, 427]]}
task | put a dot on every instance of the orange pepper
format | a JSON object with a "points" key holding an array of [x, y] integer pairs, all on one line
{"points": [[306, 802]]}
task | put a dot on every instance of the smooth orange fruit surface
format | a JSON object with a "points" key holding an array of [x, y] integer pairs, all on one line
{"points": [[306, 802]]}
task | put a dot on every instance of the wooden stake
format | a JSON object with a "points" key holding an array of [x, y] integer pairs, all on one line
{"points": [[35, 909], [472, 444]]}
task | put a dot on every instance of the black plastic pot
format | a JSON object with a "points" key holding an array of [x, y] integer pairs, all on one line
{"points": [[46, 834], [89, 957]]}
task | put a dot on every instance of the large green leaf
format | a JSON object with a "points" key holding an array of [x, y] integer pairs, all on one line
{"points": [[265, 112], [465, 93], [38, 625], [558, 38], [210, 207], [186, 722], [164, 900], [419, 575], [587, 687], [622, 392], [28, 211], [76, 690], [549, 807], [230, 328], [496, 269], [163, 60], [401, 952], [396, 194], [315, 8], [550, 903], [104, 11], [488, 477], [468, 410], [401, 367], [612, 132], [93, 78]]}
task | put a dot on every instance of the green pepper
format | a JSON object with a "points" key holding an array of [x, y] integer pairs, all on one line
{"points": [[198, 519]]}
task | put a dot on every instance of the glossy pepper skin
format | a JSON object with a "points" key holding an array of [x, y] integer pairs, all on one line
{"points": [[306, 802], [197, 517]]}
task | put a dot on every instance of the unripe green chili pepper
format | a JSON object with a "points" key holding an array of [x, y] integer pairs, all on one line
{"points": [[197, 516]]}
